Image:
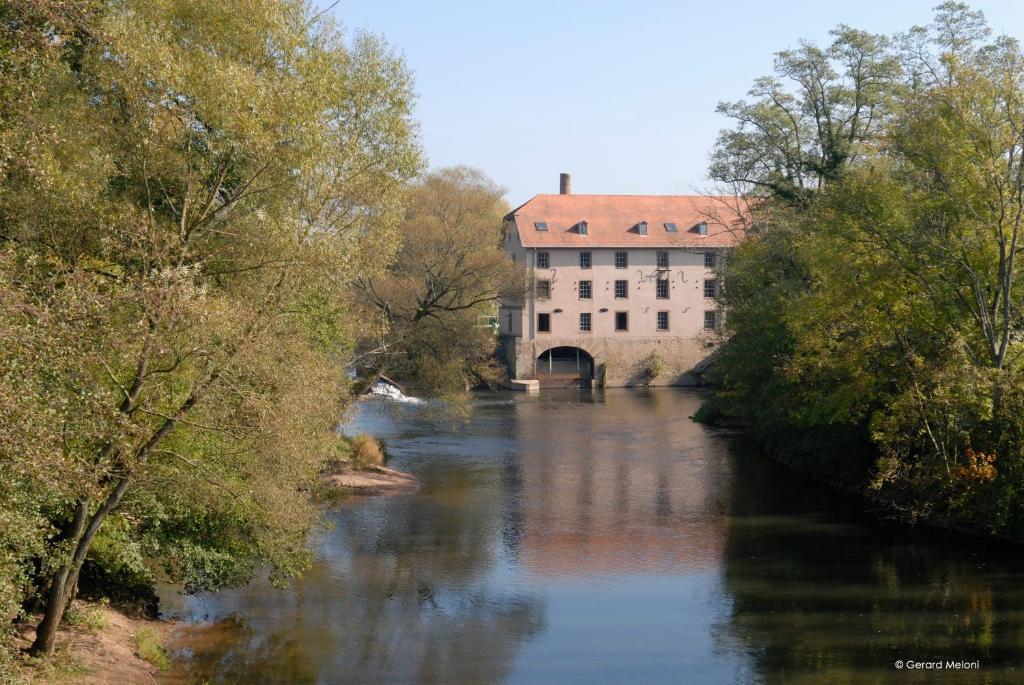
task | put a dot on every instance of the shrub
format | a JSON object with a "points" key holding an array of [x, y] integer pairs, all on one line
{"points": [[367, 451], [148, 647]]}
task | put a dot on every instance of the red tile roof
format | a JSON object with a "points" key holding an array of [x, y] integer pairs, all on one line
{"points": [[612, 220]]}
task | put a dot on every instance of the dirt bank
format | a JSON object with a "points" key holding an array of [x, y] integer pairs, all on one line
{"points": [[375, 480], [99, 646]]}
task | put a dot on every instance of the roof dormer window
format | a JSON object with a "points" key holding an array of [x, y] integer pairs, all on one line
{"points": [[671, 228], [581, 228], [540, 225], [641, 228], [702, 229]]}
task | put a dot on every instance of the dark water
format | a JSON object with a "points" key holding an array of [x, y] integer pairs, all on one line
{"points": [[605, 538]]}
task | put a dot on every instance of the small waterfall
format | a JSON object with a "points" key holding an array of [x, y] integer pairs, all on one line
{"points": [[387, 390]]}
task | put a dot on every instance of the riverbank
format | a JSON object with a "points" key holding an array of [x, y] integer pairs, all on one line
{"points": [[361, 471], [889, 504], [374, 480], [98, 645]]}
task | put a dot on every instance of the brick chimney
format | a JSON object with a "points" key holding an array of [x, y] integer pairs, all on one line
{"points": [[564, 184]]}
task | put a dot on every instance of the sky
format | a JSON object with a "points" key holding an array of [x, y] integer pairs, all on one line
{"points": [[620, 94]]}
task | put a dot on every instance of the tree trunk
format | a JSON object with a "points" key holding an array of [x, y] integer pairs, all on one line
{"points": [[57, 602], [64, 584]]}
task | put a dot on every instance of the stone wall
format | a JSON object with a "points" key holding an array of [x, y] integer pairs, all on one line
{"points": [[622, 362]]}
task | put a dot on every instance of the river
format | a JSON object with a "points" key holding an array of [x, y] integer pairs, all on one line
{"points": [[579, 537]]}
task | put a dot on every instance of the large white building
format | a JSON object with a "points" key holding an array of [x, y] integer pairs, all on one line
{"points": [[624, 288]]}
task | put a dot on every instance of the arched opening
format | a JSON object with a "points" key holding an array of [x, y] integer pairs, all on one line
{"points": [[565, 367]]}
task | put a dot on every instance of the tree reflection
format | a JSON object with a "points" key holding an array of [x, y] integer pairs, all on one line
{"points": [[400, 592], [821, 593]]}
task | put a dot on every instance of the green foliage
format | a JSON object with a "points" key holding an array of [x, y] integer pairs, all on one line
{"points": [[435, 300], [873, 323], [186, 191], [148, 646], [90, 619], [653, 366]]}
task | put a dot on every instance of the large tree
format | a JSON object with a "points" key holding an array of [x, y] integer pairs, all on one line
{"points": [[816, 114], [876, 327], [186, 190], [437, 301]]}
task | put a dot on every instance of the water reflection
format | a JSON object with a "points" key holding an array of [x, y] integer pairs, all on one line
{"points": [[582, 537], [629, 486], [819, 587]]}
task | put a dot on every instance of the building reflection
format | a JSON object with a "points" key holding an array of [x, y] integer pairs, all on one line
{"points": [[599, 496]]}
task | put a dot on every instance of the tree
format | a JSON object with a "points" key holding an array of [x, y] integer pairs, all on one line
{"points": [[437, 298], [186, 190], [875, 321], [808, 121]]}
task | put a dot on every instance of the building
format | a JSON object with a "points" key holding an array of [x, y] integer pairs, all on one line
{"points": [[624, 287]]}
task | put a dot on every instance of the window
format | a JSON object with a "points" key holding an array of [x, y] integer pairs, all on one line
{"points": [[710, 321], [662, 260], [710, 287], [622, 321], [662, 321], [641, 228], [543, 290], [586, 291], [621, 260], [543, 260], [621, 290], [671, 228], [581, 228], [709, 260], [543, 322], [702, 228], [662, 289], [584, 260], [585, 322], [540, 225]]}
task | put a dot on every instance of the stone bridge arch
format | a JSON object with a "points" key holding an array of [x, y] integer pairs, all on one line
{"points": [[567, 365]]}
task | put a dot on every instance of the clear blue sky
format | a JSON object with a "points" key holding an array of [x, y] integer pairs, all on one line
{"points": [[621, 94]]}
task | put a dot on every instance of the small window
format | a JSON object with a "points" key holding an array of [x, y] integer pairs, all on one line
{"points": [[585, 322], [622, 321], [710, 321], [662, 321], [641, 228], [710, 287], [709, 260], [543, 290], [540, 226], [584, 260], [543, 322], [662, 260], [582, 228], [543, 260], [621, 290], [662, 293], [586, 291], [621, 260], [671, 228], [702, 228]]}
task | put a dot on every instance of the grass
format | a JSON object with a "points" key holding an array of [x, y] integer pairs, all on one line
{"points": [[148, 647], [91, 619], [62, 665]]}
